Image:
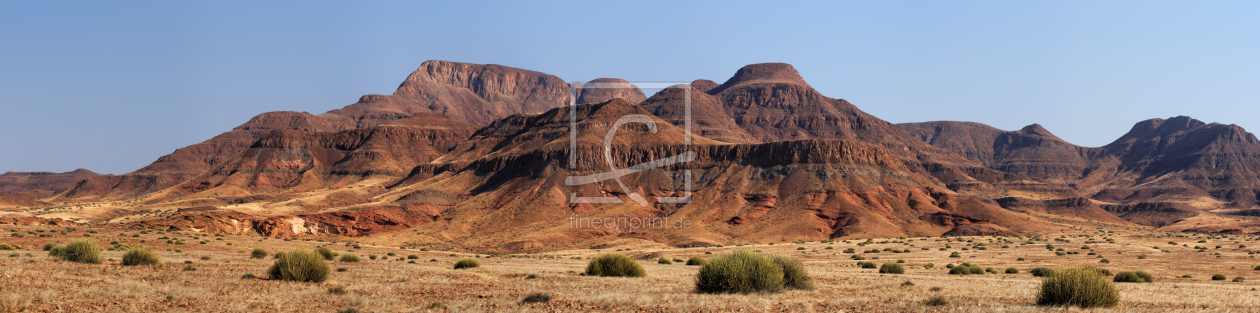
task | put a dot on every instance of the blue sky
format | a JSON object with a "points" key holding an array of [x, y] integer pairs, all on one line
{"points": [[111, 86]]}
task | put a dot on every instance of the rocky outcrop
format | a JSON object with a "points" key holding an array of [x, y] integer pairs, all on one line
{"points": [[21, 182], [354, 223]]}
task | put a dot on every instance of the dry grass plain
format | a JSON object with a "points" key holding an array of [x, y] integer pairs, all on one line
{"points": [[208, 277]]}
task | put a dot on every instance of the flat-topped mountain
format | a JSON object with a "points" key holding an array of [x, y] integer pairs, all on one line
{"points": [[20, 182], [472, 93]]}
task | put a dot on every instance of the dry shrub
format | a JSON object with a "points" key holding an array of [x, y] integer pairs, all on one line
{"points": [[891, 268], [81, 251], [258, 253], [350, 257], [696, 261], [615, 265], [300, 265], [1085, 287], [140, 255], [467, 263], [740, 272]]}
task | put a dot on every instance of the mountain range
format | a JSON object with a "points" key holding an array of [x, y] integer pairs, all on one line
{"points": [[484, 157]]}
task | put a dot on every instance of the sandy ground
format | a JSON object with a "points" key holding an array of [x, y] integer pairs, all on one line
{"points": [[33, 282]]}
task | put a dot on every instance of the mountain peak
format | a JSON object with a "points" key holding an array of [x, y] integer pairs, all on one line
{"points": [[1037, 130], [781, 73], [610, 88]]}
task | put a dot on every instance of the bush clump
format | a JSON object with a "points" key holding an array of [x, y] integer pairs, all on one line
{"points": [[614, 265], [350, 257], [467, 263], [867, 265], [966, 269], [1218, 277], [1041, 272], [258, 253], [1084, 287], [81, 251], [1133, 277], [140, 255], [1012, 270], [664, 261], [746, 271], [892, 268], [696, 261], [300, 265], [326, 253]]}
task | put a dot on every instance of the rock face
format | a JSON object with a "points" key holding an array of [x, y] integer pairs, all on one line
{"points": [[514, 173], [344, 223], [472, 93], [1149, 173], [771, 102], [610, 88], [21, 182], [287, 161], [1032, 151]]}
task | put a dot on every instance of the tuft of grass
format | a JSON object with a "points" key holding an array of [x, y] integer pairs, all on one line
{"points": [[1084, 287], [936, 301], [1218, 277], [81, 251], [1012, 270], [696, 261], [867, 265], [1041, 272], [300, 265], [326, 253], [1133, 277], [350, 257], [615, 265], [664, 261], [258, 253], [966, 269], [742, 271], [140, 255], [249, 276], [413, 257], [794, 274], [892, 268], [536, 298], [467, 263]]}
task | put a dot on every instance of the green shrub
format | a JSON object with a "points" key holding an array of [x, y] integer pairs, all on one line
{"points": [[615, 265], [140, 255], [966, 269], [697, 261], [740, 272], [794, 274], [258, 253], [867, 265], [891, 268], [1129, 277], [300, 265], [955, 255], [468, 263], [350, 257], [326, 253], [49, 246], [1041, 272], [1085, 287], [664, 261], [81, 251], [1012, 270], [1218, 277], [413, 257]]}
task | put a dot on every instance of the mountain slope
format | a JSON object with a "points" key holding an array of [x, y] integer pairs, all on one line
{"points": [[471, 93], [21, 182], [770, 102]]}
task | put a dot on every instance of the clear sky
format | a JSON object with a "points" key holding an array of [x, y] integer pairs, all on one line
{"points": [[112, 85]]}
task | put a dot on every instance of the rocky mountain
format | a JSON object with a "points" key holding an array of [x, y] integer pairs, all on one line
{"points": [[505, 188], [472, 93], [771, 102], [1159, 172], [23, 182]]}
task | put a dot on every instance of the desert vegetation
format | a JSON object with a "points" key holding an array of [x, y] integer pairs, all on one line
{"points": [[300, 265], [615, 265], [1084, 287]]}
